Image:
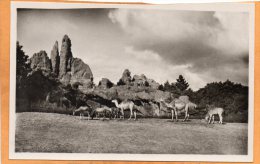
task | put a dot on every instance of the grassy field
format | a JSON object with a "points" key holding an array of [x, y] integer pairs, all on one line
{"points": [[48, 132]]}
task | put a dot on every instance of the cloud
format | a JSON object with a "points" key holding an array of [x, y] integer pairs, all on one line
{"points": [[162, 44], [213, 44], [156, 68]]}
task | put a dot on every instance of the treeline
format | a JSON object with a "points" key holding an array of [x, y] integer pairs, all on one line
{"points": [[231, 96]]}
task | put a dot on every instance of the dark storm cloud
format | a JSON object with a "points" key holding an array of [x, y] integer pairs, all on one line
{"points": [[179, 52], [92, 14], [210, 43], [201, 58]]}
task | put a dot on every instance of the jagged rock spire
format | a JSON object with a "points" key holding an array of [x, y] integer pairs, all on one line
{"points": [[55, 58], [65, 56], [67, 69], [126, 77]]}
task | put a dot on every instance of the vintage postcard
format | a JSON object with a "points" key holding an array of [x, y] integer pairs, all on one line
{"points": [[132, 82]]}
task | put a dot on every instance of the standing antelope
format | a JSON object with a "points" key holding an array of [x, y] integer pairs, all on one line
{"points": [[126, 105]]}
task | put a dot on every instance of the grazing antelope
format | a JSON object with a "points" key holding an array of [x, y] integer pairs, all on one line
{"points": [[103, 110], [115, 112], [213, 111], [81, 111]]}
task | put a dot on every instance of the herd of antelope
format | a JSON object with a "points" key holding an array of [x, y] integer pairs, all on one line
{"points": [[176, 107]]}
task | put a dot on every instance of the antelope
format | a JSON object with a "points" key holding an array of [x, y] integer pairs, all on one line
{"points": [[213, 111], [178, 106], [81, 111], [124, 106]]}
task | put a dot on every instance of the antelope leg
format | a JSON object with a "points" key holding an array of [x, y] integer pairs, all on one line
{"points": [[188, 117], [209, 119], [131, 113], [220, 119], [123, 114], [176, 115], [185, 117]]}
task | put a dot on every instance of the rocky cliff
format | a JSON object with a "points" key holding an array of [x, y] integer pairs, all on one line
{"points": [[81, 72], [105, 83], [140, 89], [41, 61], [142, 80], [67, 69], [146, 98], [73, 70], [137, 80]]}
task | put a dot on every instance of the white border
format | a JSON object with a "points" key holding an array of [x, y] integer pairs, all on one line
{"points": [[168, 1], [231, 7]]}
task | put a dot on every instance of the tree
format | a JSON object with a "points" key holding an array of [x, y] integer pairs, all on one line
{"points": [[161, 87], [181, 83], [22, 65], [189, 92], [167, 86], [228, 95]]}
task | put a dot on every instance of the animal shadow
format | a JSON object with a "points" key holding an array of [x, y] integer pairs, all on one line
{"points": [[179, 121]]}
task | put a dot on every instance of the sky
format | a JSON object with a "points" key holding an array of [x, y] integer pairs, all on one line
{"points": [[203, 46]]}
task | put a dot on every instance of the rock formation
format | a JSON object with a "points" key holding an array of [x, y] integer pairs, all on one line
{"points": [[105, 83], [41, 61], [126, 78], [137, 81], [64, 68], [148, 97], [70, 70], [65, 56], [67, 69], [55, 59], [142, 80], [81, 72], [153, 84]]}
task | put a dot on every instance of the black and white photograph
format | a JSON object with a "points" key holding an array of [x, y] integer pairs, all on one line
{"points": [[132, 82]]}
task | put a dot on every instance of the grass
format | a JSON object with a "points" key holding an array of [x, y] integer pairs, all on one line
{"points": [[49, 132]]}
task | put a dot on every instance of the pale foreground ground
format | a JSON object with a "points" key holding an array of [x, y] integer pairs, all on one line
{"points": [[48, 132]]}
